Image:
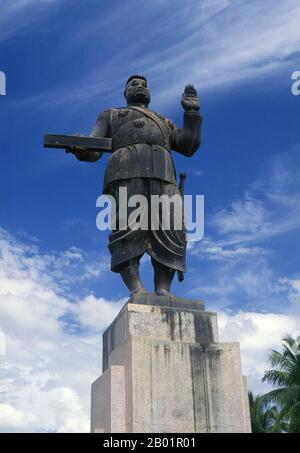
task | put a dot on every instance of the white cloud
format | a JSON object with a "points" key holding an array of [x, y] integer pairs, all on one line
{"points": [[52, 345], [97, 313], [244, 216], [214, 251], [295, 284], [9, 416], [257, 333], [47, 369], [198, 172]]}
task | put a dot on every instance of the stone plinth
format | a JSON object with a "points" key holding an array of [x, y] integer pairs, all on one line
{"points": [[165, 371]]}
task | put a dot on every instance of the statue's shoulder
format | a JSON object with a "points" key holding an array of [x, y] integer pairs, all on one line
{"points": [[114, 114], [104, 115], [119, 112]]}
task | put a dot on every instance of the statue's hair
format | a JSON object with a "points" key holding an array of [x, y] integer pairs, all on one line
{"points": [[136, 76]]}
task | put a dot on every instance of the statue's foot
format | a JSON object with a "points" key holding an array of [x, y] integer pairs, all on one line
{"points": [[163, 292], [137, 291]]}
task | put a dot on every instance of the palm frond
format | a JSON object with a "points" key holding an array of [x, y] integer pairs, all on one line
{"points": [[284, 416], [282, 360], [276, 377], [272, 396]]}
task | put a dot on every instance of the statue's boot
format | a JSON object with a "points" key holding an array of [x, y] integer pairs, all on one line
{"points": [[131, 276], [163, 277]]}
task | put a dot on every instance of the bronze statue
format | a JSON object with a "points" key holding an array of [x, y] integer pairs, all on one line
{"points": [[141, 144]]}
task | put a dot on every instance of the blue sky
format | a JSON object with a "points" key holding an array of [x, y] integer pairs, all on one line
{"points": [[66, 61]]}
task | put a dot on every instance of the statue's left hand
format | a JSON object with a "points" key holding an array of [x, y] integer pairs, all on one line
{"points": [[190, 100]]}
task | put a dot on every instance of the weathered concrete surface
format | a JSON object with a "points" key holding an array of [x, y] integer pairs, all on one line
{"points": [[176, 376], [108, 401]]}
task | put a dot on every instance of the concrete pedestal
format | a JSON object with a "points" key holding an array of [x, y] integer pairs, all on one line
{"points": [[164, 371]]}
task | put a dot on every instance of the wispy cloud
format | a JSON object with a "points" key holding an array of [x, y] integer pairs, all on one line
{"points": [[17, 15], [269, 207], [244, 40], [210, 43], [246, 282], [214, 251], [242, 265]]}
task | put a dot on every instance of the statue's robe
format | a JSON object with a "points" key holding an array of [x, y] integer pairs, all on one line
{"points": [[141, 161]]}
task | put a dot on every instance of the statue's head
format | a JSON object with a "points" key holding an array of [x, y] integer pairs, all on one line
{"points": [[136, 90]]}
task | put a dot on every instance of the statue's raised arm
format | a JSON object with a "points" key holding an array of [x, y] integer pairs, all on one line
{"points": [[187, 139]]}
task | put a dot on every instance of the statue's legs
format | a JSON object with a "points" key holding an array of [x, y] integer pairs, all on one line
{"points": [[131, 276], [128, 246], [163, 277]]}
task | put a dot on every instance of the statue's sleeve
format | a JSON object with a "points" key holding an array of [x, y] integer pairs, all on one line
{"points": [[102, 126], [186, 140], [101, 129]]}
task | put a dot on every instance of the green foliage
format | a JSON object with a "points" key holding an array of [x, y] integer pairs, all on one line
{"points": [[285, 376], [265, 418], [279, 409]]}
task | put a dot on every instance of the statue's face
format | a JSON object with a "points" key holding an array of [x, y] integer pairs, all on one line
{"points": [[137, 92]]}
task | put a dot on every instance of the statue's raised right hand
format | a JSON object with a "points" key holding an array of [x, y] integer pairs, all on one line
{"points": [[190, 100]]}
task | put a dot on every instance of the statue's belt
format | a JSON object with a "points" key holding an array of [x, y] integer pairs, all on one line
{"points": [[118, 144]]}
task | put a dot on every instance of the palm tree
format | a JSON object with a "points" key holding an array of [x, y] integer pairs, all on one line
{"points": [[264, 418], [285, 375]]}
